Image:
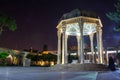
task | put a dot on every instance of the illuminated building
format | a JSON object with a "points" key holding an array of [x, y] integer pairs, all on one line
{"points": [[79, 23]]}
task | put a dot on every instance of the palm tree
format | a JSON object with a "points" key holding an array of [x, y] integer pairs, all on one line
{"points": [[7, 22]]}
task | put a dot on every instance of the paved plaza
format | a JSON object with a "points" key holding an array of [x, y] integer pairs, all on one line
{"points": [[41, 73], [115, 75]]}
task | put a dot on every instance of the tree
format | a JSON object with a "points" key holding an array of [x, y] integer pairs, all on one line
{"points": [[7, 22], [3, 56], [49, 57], [115, 16]]}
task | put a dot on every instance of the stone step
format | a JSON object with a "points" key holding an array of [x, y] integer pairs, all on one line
{"points": [[79, 67]]}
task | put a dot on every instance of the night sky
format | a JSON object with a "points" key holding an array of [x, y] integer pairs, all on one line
{"points": [[37, 20]]}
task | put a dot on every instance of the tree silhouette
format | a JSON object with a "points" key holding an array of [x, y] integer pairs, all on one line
{"points": [[115, 16], [7, 22]]}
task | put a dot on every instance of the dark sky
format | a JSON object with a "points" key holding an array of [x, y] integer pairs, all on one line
{"points": [[37, 20]]}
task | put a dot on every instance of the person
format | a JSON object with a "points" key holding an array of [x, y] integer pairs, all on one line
{"points": [[111, 65]]}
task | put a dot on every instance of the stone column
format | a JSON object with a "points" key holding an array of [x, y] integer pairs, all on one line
{"points": [[99, 45], [66, 49], [78, 41], [80, 22], [92, 46], [59, 48], [97, 36], [63, 42]]}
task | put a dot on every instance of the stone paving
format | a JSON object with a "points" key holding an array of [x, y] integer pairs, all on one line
{"points": [[111, 75], [37, 73], [44, 73]]}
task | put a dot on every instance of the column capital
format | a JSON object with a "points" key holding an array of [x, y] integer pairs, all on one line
{"points": [[91, 36], [66, 36], [78, 38], [80, 23], [64, 26], [59, 34], [98, 28], [63, 23]]}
